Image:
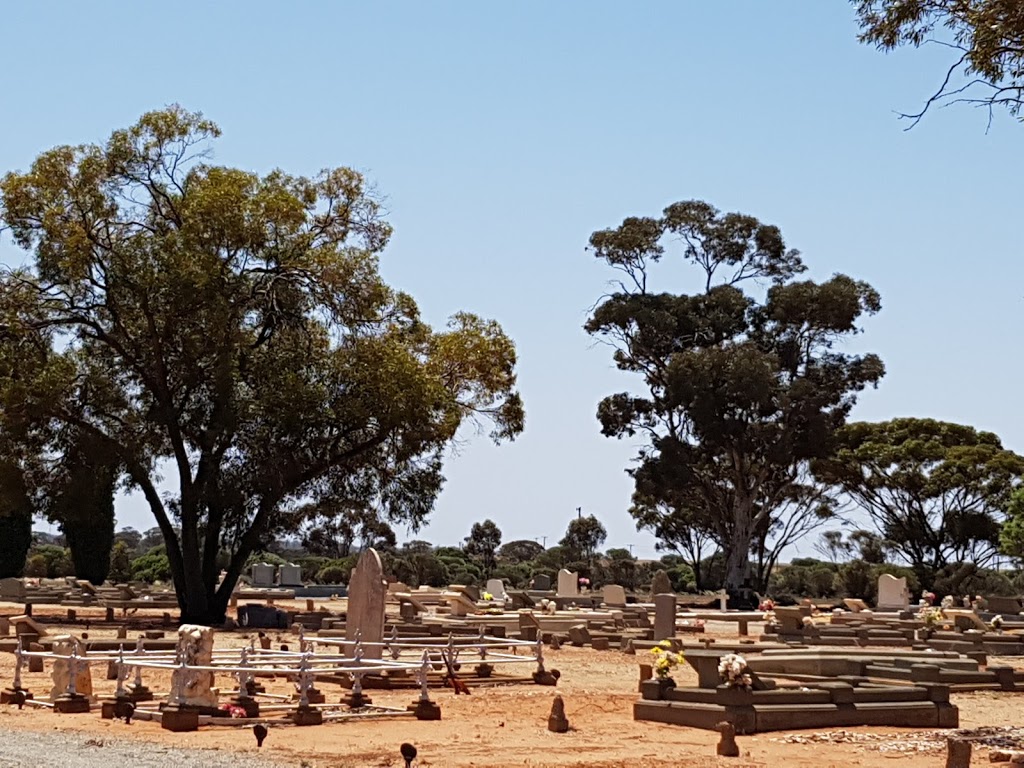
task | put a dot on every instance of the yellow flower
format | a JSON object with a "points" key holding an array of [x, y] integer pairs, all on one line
{"points": [[667, 644], [656, 651], [488, 596]]}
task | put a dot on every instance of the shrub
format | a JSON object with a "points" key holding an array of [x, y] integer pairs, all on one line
{"points": [[332, 574]]}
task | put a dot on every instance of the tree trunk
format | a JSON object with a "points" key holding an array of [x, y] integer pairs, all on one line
{"points": [[737, 561]]}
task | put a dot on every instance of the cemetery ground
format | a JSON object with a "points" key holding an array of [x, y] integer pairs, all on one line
{"points": [[495, 727]]}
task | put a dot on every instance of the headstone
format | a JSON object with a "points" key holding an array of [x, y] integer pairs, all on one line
{"points": [[290, 575], [664, 617], [661, 584], [189, 687], [579, 635], [958, 753], [568, 583], [367, 593], [12, 590], [496, 588], [62, 646], [257, 616], [613, 594], [892, 593], [542, 582], [262, 575]]}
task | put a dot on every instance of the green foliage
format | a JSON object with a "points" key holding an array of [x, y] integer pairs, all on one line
{"points": [[857, 579], [583, 538], [741, 392], [35, 566], [986, 38], [936, 492], [333, 574], [83, 504], [55, 562], [1011, 535], [152, 567], [516, 575], [520, 551], [120, 563], [482, 544], [235, 325], [15, 521]]}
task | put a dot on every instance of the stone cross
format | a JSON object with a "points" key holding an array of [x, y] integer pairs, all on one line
{"points": [[367, 593]]}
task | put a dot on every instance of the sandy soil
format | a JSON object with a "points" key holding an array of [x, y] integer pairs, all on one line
{"points": [[506, 726]]}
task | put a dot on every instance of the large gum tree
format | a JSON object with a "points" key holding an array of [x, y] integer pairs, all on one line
{"points": [[739, 384], [229, 333]]}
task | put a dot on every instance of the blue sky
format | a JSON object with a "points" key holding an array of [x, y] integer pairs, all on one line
{"points": [[503, 134]]}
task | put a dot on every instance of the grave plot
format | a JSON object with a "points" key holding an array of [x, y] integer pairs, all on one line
{"points": [[729, 691], [193, 700], [453, 661]]}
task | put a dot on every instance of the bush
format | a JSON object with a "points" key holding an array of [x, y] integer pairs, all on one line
{"points": [[856, 579], [152, 566], [120, 563], [35, 566], [332, 574]]}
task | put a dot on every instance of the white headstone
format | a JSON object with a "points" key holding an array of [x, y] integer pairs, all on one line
{"points": [[62, 646], [262, 575], [892, 593], [192, 687], [367, 593], [496, 588], [291, 575], [568, 583], [613, 594]]}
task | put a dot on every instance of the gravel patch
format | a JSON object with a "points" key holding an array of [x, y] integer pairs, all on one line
{"points": [[76, 750]]}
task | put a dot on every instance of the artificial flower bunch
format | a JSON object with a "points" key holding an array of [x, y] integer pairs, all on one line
{"points": [[487, 596], [948, 601], [996, 623], [665, 659], [930, 616], [928, 597], [733, 670]]}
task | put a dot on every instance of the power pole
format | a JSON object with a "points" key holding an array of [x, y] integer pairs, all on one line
{"points": [[630, 549], [579, 512]]}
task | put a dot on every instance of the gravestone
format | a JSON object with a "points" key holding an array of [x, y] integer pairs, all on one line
{"points": [[661, 584], [892, 593], [496, 587], [190, 687], [61, 675], [664, 617], [367, 592], [259, 616], [262, 575], [542, 582], [568, 583], [613, 594], [290, 575], [12, 589]]}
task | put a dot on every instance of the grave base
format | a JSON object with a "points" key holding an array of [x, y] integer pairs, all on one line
{"points": [[250, 706], [71, 704], [307, 716], [9, 695], [357, 700], [179, 720], [425, 710], [315, 696], [139, 693]]}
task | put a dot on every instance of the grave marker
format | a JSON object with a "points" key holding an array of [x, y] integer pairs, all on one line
{"points": [[892, 593], [613, 594], [568, 583], [367, 593], [664, 617]]}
